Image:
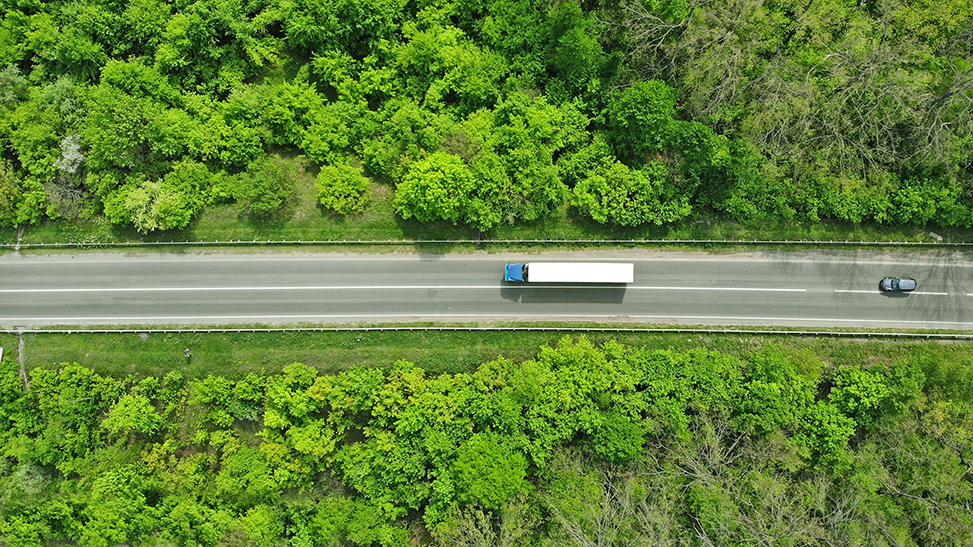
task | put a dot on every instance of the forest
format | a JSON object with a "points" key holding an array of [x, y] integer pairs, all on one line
{"points": [[484, 113], [582, 445]]}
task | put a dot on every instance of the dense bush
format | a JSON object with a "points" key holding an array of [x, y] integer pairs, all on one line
{"points": [[264, 187], [793, 112], [581, 442], [343, 188]]}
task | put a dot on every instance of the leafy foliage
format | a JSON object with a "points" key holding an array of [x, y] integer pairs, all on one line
{"points": [[264, 187], [618, 195], [757, 110], [487, 473], [343, 188], [133, 413], [581, 442], [438, 187]]}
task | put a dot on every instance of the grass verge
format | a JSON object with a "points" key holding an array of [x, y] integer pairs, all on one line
{"points": [[302, 218], [234, 355]]}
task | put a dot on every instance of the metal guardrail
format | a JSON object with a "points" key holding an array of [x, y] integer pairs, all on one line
{"points": [[647, 330], [243, 242]]}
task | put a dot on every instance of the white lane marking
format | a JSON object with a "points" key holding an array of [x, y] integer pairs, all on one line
{"points": [[880, 292], [61, 320], [396, 287], [718, 289]]}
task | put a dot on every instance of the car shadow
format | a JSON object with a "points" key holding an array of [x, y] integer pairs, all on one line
{"points": [[546, 293]]}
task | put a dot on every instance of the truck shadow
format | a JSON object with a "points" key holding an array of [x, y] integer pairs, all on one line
{"points": [[547, 293]]}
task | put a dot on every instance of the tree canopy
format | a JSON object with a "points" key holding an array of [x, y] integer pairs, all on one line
{"points": [[756, 110], [578, 445]]}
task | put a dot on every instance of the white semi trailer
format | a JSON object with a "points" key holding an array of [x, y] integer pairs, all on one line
{"points": [[569, 272]]}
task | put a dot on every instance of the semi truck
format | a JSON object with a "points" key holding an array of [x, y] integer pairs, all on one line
{"points": [[569, 272]]}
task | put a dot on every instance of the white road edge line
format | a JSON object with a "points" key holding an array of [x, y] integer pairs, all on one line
{"points": [[62, 320]]}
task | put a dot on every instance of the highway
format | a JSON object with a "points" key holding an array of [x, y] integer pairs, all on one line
{"points": [[811, 289]]}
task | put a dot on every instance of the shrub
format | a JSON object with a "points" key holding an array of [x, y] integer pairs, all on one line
{"points": [[264, 187], [343, 188]]}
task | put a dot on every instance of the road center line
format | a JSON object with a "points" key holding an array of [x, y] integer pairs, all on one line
{"points": [[718, 289], [910, 292]]}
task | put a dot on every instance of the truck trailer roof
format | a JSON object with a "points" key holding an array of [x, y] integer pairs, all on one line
{"points": [[580, 272]]}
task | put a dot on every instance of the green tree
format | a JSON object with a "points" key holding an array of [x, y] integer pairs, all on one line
{"points": [[519, 32], [31, 133], [246, 479], [618, 439], [528, 134], [144, 22], [472, 526], [289, 109], [216, 393], [133, 413], [868, 395], [296, 439], [404, 132], [264, 187], [640, 118], [213, 45], [343, 188], [117, 511], [356, 27], [120, 130], [825, 431], [241, 143], [138, 80], [487, 472], [444, 70], [330, 519], [438, 187], [775, 393], [511, 152], [574, 52], [69, 403], [614, 194], [150, 206], [327, 135]]}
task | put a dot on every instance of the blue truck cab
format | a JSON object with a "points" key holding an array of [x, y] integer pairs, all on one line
{"points": [[515, 273]]}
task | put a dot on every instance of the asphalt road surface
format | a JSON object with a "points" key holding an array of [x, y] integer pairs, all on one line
{"points": [[759, 288]]}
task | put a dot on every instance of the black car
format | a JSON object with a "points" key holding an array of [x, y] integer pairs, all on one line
{"points": [[897, 284]]}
